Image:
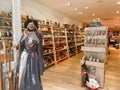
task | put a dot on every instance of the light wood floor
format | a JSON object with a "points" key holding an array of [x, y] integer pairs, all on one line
{"points": [[66, 75]]}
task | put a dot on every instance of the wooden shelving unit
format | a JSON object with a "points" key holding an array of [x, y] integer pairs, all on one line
{"points": [[95, 51], [78, 40], [48, 45], [60, 44], [5, 36], [71, 41]]}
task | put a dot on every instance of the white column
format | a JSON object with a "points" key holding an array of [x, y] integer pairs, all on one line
{"points": [[16, 22]]}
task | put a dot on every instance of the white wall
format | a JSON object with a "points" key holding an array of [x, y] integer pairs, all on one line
{"points": [[5, 5], [41, 12]]}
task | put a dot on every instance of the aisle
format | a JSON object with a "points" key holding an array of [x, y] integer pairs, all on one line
{"points": [[66, 76]]}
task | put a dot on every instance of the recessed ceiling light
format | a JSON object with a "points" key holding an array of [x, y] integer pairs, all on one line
{"points": [[93, 14], [80, 13], [118, 2], [86, 7], [117, 12], [67, 4], [75, 9]]}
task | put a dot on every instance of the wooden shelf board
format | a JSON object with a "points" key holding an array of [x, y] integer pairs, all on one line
{"points": [[6, 38], [61, 49], [47, 53], [93, 49], [96, 64]]}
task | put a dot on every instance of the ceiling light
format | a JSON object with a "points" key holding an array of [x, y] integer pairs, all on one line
{"points": [[67, 4], [93, 14], [75, 9], [117, 12], [80, 13], [118, 2], [86, 7]]}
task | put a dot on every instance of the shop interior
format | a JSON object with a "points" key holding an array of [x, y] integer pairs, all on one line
{"points": [[81, 42]]}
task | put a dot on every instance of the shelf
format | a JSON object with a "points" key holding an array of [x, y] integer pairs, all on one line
{"points": [[61, 49], [71, 41], [49, 64], [44, 36], [59, 42], [45, 30], [62, 58], [6, 38], [98, 37], [95, 64], [78, 44], [47, 53], [6, 18], [4, 27], [94, 49], [59, 31], [70, 36], [71, 46], [47, 44], [60, 37], [78, 41]]}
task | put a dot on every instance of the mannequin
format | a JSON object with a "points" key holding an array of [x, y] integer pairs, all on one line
{"points": [[31, 59]]}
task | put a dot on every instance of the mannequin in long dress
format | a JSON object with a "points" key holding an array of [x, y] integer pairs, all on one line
{"points": [[31, 62]]}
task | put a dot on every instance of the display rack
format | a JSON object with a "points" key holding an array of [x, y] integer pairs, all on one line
{"points": [[47, 45], [71, 42], [5, 34], [7, 52], [78, 39], [95, 51], [60, 44]]}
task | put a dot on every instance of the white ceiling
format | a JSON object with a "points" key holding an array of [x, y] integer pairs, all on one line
{"points": [[104, 9]]}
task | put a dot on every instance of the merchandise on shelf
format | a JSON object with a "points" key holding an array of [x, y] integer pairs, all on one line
{"points": [[48, 60], [6, 34]]}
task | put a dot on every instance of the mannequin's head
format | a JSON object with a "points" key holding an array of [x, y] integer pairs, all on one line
{"points": [[31, 26]]}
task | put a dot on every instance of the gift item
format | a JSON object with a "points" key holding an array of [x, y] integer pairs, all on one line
{"points": [[84, 70], [95, 37], [92, 83]]}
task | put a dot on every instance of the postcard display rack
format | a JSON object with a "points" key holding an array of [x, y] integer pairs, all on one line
{"points": [[95, 51]]}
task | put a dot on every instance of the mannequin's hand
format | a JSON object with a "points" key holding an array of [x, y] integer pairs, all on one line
{"points": [[31, 45], [26, 34], [16, 46]]}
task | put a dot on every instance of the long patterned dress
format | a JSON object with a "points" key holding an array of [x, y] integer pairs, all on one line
{"points": [[31, 63]]}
